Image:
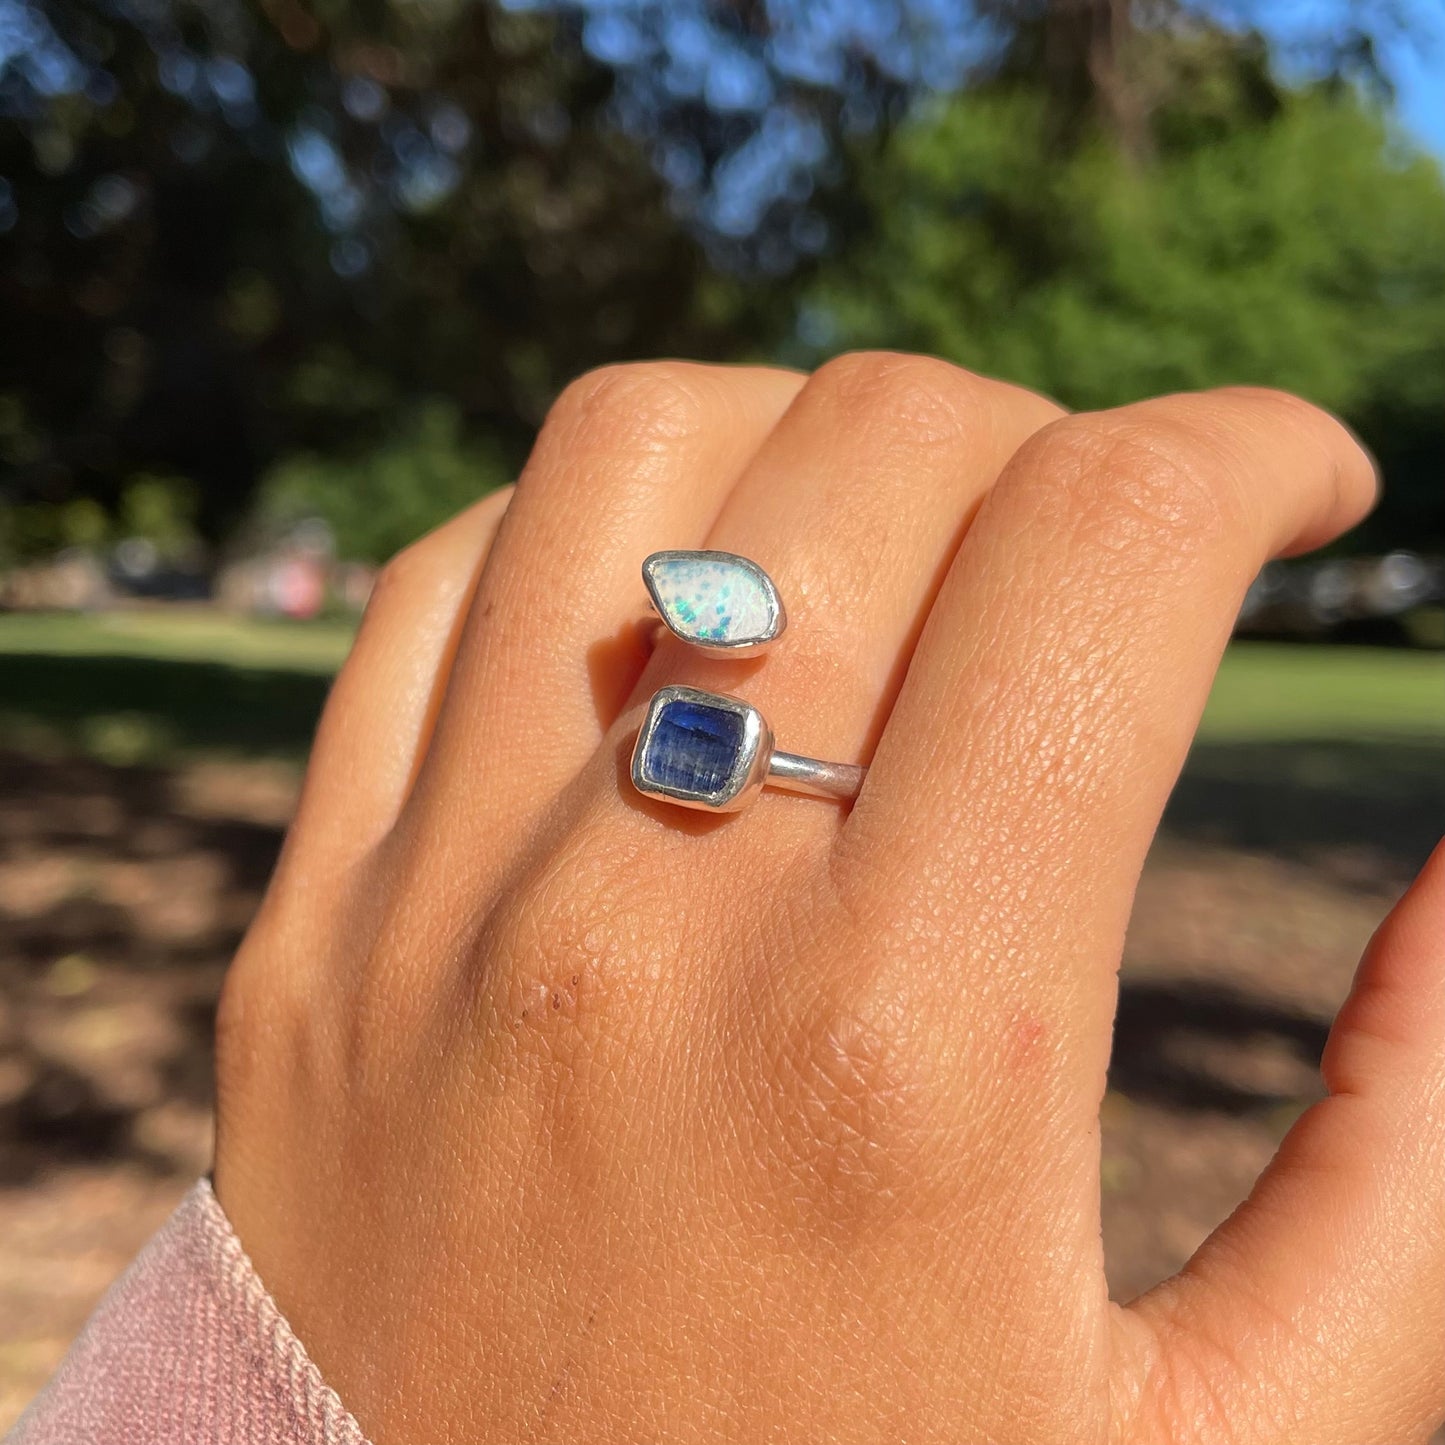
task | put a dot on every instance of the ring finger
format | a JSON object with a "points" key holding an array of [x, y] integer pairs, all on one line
{"points": [[855, 505]]}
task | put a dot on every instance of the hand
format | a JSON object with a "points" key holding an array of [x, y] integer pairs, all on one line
{"points": [[551, 1113]]}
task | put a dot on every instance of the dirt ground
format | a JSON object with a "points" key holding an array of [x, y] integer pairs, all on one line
{"points": [[123, 892]]}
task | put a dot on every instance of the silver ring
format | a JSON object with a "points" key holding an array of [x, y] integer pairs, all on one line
{"points": [[715, 600], [703, 750]]}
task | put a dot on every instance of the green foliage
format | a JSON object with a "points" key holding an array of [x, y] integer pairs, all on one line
{"points": [[236, 235], [37, 530], [240, 234], [82, 523], [1301, 246], [378, 502], [160, 509]]}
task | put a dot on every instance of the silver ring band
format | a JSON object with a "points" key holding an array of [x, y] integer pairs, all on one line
{"points": [[715, 753], [794, 773]]}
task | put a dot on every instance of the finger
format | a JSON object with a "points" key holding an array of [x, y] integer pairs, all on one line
{"points": [[1050, 704], [382, 705], [631, 460], [855, 505], [1317, 1312]]}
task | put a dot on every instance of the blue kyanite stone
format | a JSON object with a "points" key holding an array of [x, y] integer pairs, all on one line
{"points": [[693, 748]]}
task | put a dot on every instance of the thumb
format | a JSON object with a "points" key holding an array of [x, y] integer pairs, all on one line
{"points": [[1316, 1313]]}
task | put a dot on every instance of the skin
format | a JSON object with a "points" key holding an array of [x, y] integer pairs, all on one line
{"points": [[549, 1113]]}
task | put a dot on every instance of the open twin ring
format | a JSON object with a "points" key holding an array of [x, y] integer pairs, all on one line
{"points": [[703, 749]]}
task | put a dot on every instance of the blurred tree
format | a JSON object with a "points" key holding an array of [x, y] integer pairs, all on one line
{"points": [[133, 192], [236, 230], [1277, 236], [409, 483], [743, 104], [228, 231]]}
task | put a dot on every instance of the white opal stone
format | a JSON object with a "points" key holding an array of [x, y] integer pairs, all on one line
{"points": [[714, 599]]}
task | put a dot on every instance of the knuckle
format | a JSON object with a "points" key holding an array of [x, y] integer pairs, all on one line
{"points": [[420, 567], [549, 974], [1270, 401], [930, 401], [399, 574], [849, 1108], [264, 1021], [565, 960], [636, 406], [1149, 487]]}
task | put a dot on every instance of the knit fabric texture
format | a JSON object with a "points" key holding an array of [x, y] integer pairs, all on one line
{"points": [[188, 1348]]}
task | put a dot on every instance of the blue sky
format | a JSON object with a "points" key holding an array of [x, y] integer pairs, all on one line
{"points": [[1421, 82], [1413, 54]]}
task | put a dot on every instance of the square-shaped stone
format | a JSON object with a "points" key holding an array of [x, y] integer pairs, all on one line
{"points": [[694, 748]]}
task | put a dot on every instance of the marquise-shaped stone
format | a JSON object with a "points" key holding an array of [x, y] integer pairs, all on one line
{"points": [[714, 599]]}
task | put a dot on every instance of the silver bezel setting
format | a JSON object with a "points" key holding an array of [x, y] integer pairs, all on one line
{"points": [[743, 647], [750, 767]]}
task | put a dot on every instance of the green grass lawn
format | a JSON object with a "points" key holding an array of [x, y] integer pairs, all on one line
{"points": [[152, 686], [1277, 690], [186, 669], [179, 634], [1301, 746], [55, 669]]}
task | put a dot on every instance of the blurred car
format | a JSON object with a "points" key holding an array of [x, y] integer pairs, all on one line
{"points": [[1342, 597]]}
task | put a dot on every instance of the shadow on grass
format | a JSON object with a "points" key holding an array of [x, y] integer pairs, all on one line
{"points": [[1365, 812], [88, 746], [144, 709], [1163, 1038], [107, 994], [1379, 802], [1304, 800]]}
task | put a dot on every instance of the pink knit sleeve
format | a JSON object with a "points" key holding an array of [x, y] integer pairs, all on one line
{"points": [[188, 1349]]}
